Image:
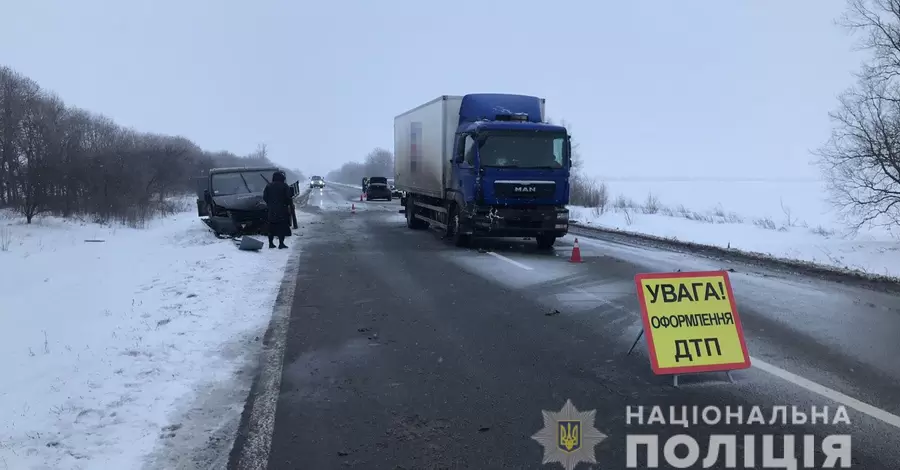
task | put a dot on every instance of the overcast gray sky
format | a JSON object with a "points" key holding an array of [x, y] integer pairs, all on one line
{"points": [[652, 88]]}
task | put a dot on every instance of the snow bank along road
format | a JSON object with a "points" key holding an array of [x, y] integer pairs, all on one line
{"points": [[135, 350], [403, 352]]}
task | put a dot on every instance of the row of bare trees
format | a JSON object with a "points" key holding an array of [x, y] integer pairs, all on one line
{"points": [[67, 161], [379, 162]]}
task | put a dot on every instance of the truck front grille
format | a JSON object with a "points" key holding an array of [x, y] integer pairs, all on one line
{"points": [[524, 189]]}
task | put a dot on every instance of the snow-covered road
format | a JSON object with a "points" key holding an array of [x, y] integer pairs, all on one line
{"points": [[396, 334]]}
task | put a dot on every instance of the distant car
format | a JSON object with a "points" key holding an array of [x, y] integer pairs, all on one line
{"points": [[394, 191], [317, 182], [377, 188]]}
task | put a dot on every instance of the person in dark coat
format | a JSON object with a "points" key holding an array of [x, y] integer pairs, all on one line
{"points": [[279, 199]]}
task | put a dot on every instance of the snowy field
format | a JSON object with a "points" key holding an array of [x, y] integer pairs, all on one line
{"points": [[135, 350], [787, 220], [806, 199], [870, 253]]}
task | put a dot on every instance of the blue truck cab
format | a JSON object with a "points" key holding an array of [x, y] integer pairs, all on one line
{"points": [[503, 171]]}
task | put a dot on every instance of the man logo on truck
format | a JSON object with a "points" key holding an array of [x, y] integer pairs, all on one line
{"points": [[525, 189]]}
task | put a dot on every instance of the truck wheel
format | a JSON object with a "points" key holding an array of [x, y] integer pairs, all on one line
{"points": [[545, 242], [453, 228], [411, 220]]}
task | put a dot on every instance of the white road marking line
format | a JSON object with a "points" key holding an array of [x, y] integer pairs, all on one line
{"points": [[254, 454], [510, 261], [799, 381], [826, 392], [804, 383], [601, 299]]}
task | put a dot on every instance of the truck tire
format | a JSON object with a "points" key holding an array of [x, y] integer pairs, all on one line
{"points": [[545, 242], [453, 228], [411, 220]]}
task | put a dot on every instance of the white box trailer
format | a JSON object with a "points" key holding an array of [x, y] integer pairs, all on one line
{"points": [[423, 145]]}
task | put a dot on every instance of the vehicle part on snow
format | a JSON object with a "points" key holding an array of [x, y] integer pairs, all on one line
{"points": [[246, 243]]}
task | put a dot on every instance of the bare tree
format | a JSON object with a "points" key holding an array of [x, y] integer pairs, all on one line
{"points": [[584, 190], [861, 160], [378, 162]]}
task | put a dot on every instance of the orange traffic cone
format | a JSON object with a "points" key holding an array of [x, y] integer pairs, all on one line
{"points": [[576, 253], [352, 208]]}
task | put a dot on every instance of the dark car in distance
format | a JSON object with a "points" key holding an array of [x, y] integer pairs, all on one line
{"points": [[394, 191], [377, 188], [317, 182]]}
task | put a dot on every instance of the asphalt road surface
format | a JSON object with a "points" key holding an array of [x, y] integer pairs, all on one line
{"points": [[404, 352]]}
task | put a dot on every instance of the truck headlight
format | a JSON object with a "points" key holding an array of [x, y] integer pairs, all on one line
{"points": [[562, 215]]}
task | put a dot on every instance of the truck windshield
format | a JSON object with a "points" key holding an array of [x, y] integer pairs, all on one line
{"points": [[244, 182], [522, 150]]}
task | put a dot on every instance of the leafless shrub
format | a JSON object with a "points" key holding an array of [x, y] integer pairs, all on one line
{"points": [[588, 192], [651, 204], [789, 219], [819, 230], [766, 223], [629, 219], [733, 218], [622, 203]]}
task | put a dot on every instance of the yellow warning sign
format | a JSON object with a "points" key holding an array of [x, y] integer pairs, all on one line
{"points": [[691, 322]]}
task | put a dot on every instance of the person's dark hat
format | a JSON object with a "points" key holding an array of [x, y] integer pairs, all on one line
{"points": [[278, 176]]}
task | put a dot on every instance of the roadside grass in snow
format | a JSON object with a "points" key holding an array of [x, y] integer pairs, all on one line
{"points": [[786, 237]]}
